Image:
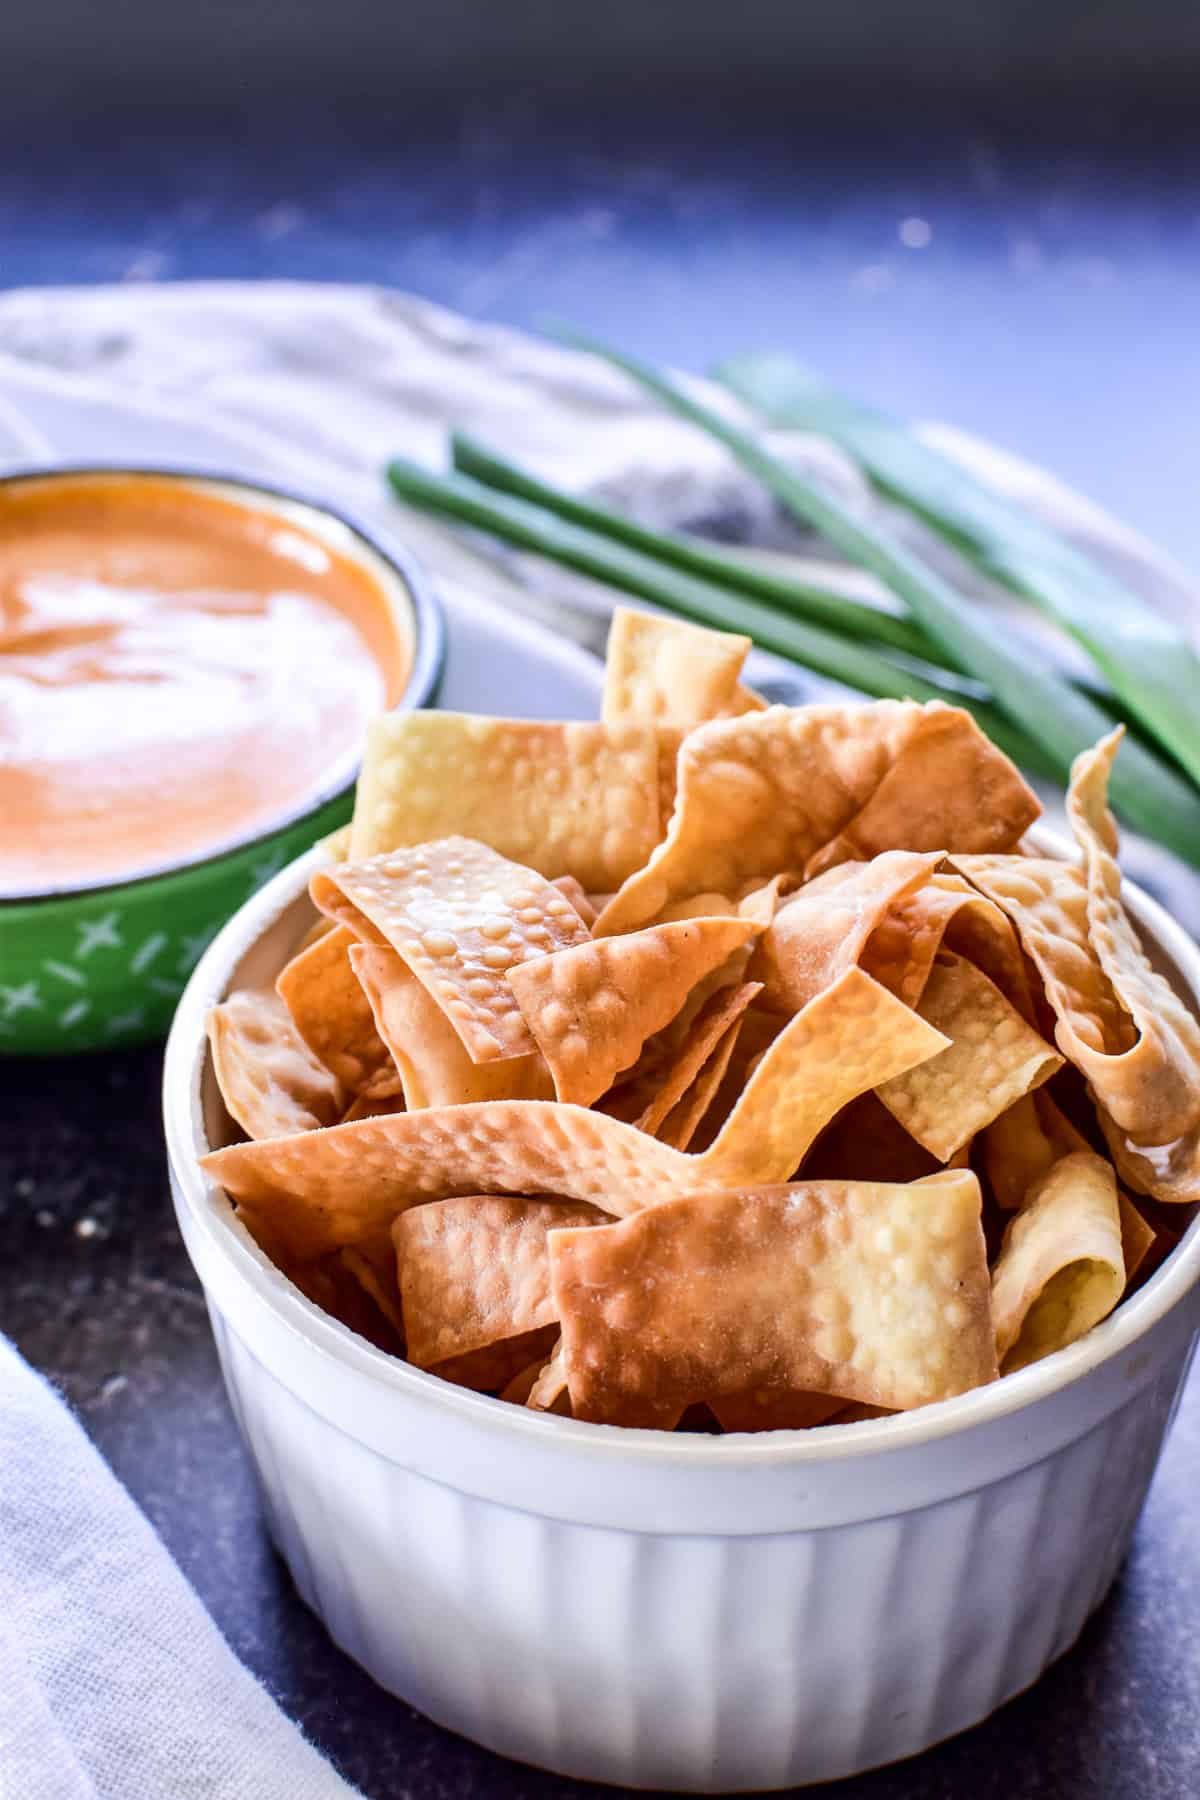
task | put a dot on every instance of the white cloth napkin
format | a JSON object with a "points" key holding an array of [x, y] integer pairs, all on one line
{"points": [[114, 1682]]}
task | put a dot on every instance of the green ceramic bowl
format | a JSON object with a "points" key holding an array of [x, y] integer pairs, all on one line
{"points": [[96, 967]]}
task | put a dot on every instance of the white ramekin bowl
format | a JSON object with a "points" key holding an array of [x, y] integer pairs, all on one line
{"points": [[711, 1615]]}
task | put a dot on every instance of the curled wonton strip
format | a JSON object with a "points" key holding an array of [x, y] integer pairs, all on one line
{"points": [[1118, 1020], [821, 931], [434, 1066], [769, 790], [1061, 1268], [949, 787], [269, 1079]]}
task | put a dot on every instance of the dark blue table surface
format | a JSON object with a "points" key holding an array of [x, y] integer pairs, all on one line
{"points": [[1048, 299]]}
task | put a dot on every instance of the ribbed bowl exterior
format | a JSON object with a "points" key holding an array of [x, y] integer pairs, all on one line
{"points": [[702, 1663]]}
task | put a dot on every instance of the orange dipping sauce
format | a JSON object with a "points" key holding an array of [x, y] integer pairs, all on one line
{"points": [[182, 665]]}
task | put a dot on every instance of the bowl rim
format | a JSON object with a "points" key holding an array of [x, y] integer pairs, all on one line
{"points": [[209, 1209], [428, 648]]}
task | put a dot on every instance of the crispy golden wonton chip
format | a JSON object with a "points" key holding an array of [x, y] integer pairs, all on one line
{"points": [[314, 1192], [549, 1391], [434, 1065], [1061, 1268], [1022, 1146], [490, 1368], [461, 916], [1047, 903], [1118, 1021], [475, 1271], [661, 670], [331, 1012], [371, 1104], [573, 891], [851, 1038], [372, 1263], [712, 1023], [872, 1292], [523, 1383], [820, 932], [576, 800], [947, 912], [948, 787], [769, 790], [1150, 1100], [993, 1057], [591, 1008], [269, 1078], [685, 1118]]}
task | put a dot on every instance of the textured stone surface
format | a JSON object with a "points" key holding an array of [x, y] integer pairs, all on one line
{"points": [[96, 1289]]}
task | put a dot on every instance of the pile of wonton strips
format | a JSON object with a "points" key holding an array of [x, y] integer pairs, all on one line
{"points": [[712, 1063]]}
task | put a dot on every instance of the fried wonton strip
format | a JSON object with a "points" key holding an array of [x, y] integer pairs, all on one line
{"points": [[370, 1104], [949, 786], [331, 1012], [946, 911], [1131, 1036], [1061, 1268], [591, 1008], [461, 917], [762, 903], [1047, 903], [549, 1391], [1137, 1236], [573, 891], [769, 790], [852, 1037], [760, 793], [1016, 1152], [873, 1292], [722, 1010], [662, 670], [1022, 1146], [372, 1263], [577, 799], [993, 1057], [1151, 1094], [270, 1081], [431, 1057], [522, 1384], [475, 1271], [312, 1193], [684, 1119], [820, 932], [490, 1368]]}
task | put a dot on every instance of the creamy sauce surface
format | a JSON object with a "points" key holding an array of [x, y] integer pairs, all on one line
{"points": [[177, 669]]}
